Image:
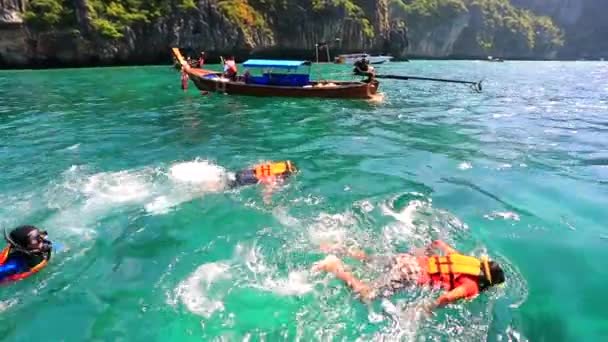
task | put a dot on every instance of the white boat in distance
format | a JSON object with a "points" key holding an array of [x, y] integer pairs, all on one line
{"points": [[353, 57]]}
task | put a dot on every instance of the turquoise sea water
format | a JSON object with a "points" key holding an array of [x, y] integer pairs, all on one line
{"points": [[122, 167]]}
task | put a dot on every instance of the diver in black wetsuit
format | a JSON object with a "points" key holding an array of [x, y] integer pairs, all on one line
{"points": [[27, 252]]}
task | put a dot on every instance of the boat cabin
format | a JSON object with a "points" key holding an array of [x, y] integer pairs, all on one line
{"points": [[285, 73]]}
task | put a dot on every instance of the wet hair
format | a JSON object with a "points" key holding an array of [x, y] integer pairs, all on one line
{"points": [[498, 275], [20, 236], [294, 167]]}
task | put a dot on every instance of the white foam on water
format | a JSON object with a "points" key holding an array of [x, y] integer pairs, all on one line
{"points": [[506, 215], [296, 284], [187, 181], [83, 199], [192, 292], [419, 223], [198, 172], [365, 206], [251, 257], [465, 166], [406, 216], [7, 304], [203, 291], [109, 188], [265, 277], [282, 215], [330, 228]]}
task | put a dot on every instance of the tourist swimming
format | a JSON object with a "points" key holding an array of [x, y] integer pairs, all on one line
{"points": [[27, 252], [464, 277], [267, 173]]}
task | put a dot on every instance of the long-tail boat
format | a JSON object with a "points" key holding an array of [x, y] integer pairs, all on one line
{"points": [[277, 78]]}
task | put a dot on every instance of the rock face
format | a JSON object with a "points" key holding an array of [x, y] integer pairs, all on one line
{"points": [[438, 41], [10, 12], [567, 12], [291, 28], [584, 22], [288, 31]]}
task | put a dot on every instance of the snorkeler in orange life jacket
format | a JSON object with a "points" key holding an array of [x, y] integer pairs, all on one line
{"points": [[27, 252], [267, 173], [462, 276]]}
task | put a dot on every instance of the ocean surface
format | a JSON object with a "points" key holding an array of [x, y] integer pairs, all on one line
{"points": [[126, 170]]}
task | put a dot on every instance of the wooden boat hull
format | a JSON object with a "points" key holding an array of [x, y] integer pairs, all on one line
{"points": [[340, 89]]}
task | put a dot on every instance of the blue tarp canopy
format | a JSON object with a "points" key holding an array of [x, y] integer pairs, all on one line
{"points": [[272, 63]]}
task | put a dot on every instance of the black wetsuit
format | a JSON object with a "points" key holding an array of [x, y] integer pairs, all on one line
{"points": [[244, 177]]}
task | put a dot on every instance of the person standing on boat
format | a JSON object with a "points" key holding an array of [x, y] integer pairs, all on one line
{"points": [[462, 276], [362, 68], [27, 252], [201, 60], [230, 69]]}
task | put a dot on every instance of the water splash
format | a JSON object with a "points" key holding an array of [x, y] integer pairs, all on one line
{"points": [[193, 292]]}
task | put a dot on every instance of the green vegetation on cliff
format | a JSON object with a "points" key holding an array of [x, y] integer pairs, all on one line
{"points": [[507, 27], [353, 11], [245, 16], [496, 24], [108, 17], [49, 14]]}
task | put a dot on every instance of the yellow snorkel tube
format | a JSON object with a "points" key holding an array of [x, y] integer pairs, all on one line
{"points": [[486, 268], [488, 275]]}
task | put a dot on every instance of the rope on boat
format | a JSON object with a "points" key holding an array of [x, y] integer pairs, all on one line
{"points": [[476, 86]]}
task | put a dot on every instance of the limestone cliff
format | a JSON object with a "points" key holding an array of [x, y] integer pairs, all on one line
{"points": [[100, 32], [93, 32], [476, 28], [584, 23]]}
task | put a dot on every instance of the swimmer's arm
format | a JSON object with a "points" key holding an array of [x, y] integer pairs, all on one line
{"points": [[451, 296], [447, 249], [9, 268], [357, 285], [339, 249], [267, 192], [466, 290]]}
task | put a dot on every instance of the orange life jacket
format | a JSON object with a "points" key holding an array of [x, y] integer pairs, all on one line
{"points": [[4, 257], [447, 269], [270, 170]]}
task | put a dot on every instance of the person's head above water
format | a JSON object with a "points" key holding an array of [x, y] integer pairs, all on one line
{"points": [[492, 273], [291, 167], [28, 239]]}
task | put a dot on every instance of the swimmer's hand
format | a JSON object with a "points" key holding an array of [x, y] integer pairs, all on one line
{"points": [[427, 308], [420, 251], [330, 264]]}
